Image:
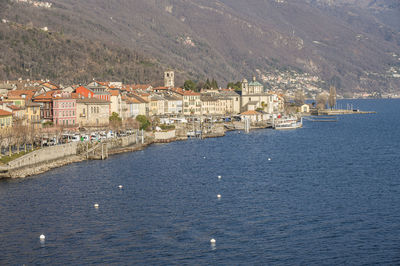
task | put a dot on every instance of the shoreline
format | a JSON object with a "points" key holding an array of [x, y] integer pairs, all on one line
{"points": [[47, 165]]}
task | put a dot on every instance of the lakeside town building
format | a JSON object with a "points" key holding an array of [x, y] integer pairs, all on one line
{"points": [[91, 105]]}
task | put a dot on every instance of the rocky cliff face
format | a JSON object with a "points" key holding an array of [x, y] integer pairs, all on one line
{"points": [[354, 42]]}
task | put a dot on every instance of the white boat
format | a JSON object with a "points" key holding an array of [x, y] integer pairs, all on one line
{"points": [[288, 123]]}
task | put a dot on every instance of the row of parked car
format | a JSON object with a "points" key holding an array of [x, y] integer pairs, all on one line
{"points": [[93, 136]]}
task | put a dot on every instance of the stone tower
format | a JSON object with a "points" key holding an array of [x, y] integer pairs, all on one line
{"points": [[169, 79], [245, 87]]}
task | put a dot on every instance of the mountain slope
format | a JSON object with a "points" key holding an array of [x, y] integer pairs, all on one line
{"points": [[33, 53], [230, 39]]}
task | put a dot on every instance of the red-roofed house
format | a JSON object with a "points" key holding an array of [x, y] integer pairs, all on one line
{"points": [[190, 100], [46, 105], [95, 91], [19, 97], [5, 120]]}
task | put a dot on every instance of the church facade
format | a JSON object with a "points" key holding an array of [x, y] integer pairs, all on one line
{"points": [[254, 98]]}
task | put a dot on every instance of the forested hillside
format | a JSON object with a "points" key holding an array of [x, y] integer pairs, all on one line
{"points": [[352, 43], [34, 53]]}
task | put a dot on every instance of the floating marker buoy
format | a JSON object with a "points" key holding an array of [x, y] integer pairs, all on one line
{"points": [[120, 186], [269, 159], [204, 157], [96, 205], [42, 237], [219, 196], [212, 241], [219, 177]]}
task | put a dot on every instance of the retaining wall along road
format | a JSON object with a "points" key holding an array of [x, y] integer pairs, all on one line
{"points": [[44, 155]]}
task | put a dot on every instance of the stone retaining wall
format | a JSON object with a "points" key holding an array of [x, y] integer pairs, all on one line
{"points": [[164, 135], [44, 155]]}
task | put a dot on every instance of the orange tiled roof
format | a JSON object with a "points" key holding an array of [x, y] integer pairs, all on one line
{"points": [[17, 94], [4, 113], [114, 92], [251, 112], [46, 96]]}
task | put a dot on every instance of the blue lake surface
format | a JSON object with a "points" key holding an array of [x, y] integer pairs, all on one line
{"points": [[329, 195]]}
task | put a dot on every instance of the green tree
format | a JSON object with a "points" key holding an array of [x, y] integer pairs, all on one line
{"points": [[236, 86], [332, 97], [214, 84], [207, 85], [144, 122], [190, 85], [115, 121]]}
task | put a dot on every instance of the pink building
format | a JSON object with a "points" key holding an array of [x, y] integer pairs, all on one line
{"points": [[64, 110]]}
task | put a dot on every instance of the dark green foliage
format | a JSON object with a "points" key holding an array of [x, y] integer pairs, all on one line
{"points": [[236, 86], [167, 127], [115, 117], [144, 122], [190, 85]]}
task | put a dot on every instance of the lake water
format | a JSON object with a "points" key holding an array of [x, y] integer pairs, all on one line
{"points": [[329, 195]]}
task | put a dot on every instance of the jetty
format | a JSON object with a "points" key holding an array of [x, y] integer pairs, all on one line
{"points": [[328, 112]]}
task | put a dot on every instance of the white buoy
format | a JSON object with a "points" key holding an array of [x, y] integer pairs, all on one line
{"points": [[120, 186], [219, 177], [269, 159], [204, 157], [212, 241], [219, 196], [42, 237], [96, 205]]}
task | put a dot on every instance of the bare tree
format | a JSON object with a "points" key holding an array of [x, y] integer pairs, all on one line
{"points": [[321, 99], [18, 134], [9, 140], [31, 135], [131, 123], [299, 98]]}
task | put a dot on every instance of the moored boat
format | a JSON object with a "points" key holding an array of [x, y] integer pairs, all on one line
{"points": [[288, 123]]}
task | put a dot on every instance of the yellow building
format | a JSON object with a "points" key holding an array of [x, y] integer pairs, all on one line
{"points": [[32, 114], [5, 120]]}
